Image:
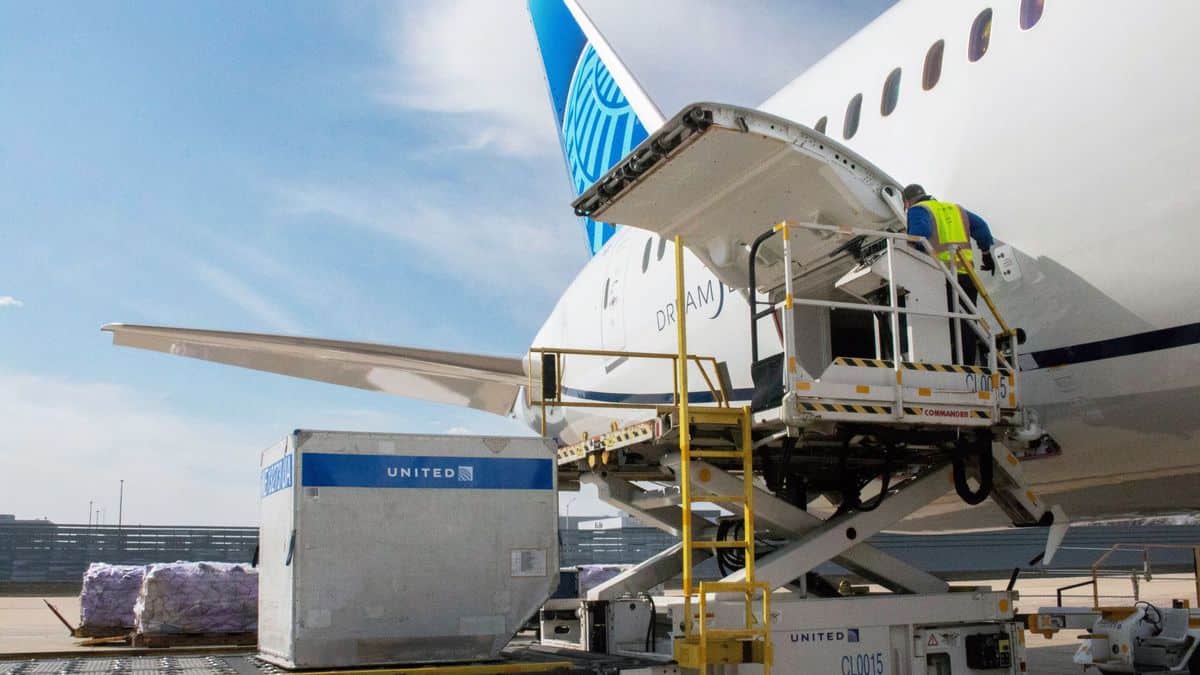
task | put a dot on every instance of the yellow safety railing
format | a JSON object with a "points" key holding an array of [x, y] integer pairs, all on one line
{"points": [[978, 283], [694, 650], [716, 385]]}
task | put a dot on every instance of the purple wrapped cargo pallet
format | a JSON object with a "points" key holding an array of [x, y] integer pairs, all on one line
{"points": [[591, 576], [199, 597], [108, 596]]}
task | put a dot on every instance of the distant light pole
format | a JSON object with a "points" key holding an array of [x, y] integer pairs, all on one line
{"points": [[567, 509], [120, 503], [89, 513]]}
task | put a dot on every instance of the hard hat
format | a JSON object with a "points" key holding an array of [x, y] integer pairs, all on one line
{"points": [[913, 193]]}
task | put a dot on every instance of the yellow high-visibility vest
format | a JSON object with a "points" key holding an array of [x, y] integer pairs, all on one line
{"points": [[950, 230]]}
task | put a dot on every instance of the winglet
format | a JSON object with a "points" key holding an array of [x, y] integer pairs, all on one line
{"points": [[1058, 530]]}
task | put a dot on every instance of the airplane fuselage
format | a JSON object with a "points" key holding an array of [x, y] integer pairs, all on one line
{"points": [[1074, 139]]}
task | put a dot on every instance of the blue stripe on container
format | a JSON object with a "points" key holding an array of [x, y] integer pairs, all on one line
{"points": [[419, 471]]}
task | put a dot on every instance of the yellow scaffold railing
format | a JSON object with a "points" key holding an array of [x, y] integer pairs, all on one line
{"points": [[703, 645], [554, 361]]}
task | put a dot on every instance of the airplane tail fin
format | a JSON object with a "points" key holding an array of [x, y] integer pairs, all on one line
{"points": [[601, 110]]}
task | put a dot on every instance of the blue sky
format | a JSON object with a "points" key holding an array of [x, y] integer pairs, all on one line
{"points": [[361, 171]]}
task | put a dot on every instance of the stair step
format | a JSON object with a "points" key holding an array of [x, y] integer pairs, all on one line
{"points": [[701, 454], [719, 633], [729, 543], [711, 415], [720, 498], [731, 586]]}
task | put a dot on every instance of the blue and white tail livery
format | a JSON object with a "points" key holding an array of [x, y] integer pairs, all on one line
{"points": [[601, 110]]}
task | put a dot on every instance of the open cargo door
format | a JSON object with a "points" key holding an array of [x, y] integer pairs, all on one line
{"points": [[720, 175]]}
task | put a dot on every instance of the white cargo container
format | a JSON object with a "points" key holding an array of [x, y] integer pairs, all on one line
{"points": [[397, 548]]}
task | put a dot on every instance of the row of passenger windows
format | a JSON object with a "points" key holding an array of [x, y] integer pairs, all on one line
{"points": [[977, 46]]}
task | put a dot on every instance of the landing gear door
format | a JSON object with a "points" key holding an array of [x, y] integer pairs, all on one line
{"points": [[612, 309]]}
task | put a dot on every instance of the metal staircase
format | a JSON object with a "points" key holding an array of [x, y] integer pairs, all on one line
{"points": [[703, 644]]}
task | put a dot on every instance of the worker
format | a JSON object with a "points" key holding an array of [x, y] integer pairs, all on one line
{"points": [[947, 226]]}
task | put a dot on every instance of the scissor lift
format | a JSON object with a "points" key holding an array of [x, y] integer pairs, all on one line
{"points": [[882, 404]]}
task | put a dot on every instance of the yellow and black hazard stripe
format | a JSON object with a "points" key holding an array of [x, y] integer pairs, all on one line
{"points": [[923, 367], [946, 368], [844, 408], [861, 363], [973, 414]]}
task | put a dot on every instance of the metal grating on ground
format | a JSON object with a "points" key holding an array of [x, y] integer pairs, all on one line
{"points": [[249, 664], [239, 664]]}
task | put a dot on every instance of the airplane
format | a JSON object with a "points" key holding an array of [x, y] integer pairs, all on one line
{"points": [[1069, 126]]}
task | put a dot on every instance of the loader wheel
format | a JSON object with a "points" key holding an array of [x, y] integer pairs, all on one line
{"points": [[1194, 661]]}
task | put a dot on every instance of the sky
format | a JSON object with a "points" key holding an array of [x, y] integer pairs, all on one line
{"points": [[362, 171]]}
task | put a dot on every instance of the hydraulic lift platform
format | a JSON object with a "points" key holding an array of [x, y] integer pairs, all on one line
{"points": [[868, 404]]}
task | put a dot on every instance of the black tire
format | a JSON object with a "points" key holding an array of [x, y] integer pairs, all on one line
{"points": [[1194, 661]]}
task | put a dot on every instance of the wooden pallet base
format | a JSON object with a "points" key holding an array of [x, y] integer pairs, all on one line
{"points": [[194, 639], [97, 632]]}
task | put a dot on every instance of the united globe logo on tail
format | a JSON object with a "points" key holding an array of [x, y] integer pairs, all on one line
{"points": [[597, 123], [599, 128]]}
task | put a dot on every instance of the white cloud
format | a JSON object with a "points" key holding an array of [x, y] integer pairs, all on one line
{"points": [[246, 297], [66, 442], [488, 250], [10, 301], [476, 61]]}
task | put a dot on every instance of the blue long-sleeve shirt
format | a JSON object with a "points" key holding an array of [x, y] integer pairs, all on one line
{"points": [[920, 223]]}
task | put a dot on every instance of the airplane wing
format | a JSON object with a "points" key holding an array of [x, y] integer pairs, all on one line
{"points": [[489, 383]]}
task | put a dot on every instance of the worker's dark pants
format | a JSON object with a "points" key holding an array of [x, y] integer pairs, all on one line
{"points": [[970, 343]]}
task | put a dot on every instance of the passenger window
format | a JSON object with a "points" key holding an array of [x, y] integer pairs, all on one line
{"points": [[981, 35], [933, 65], [1031, 12], [821, 124], [891, 93], [662, 247], [853, 110], [646, 255]]}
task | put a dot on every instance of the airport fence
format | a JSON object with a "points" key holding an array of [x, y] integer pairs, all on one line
{"points": [[623, 546], [48, 552], [40, 552]]}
